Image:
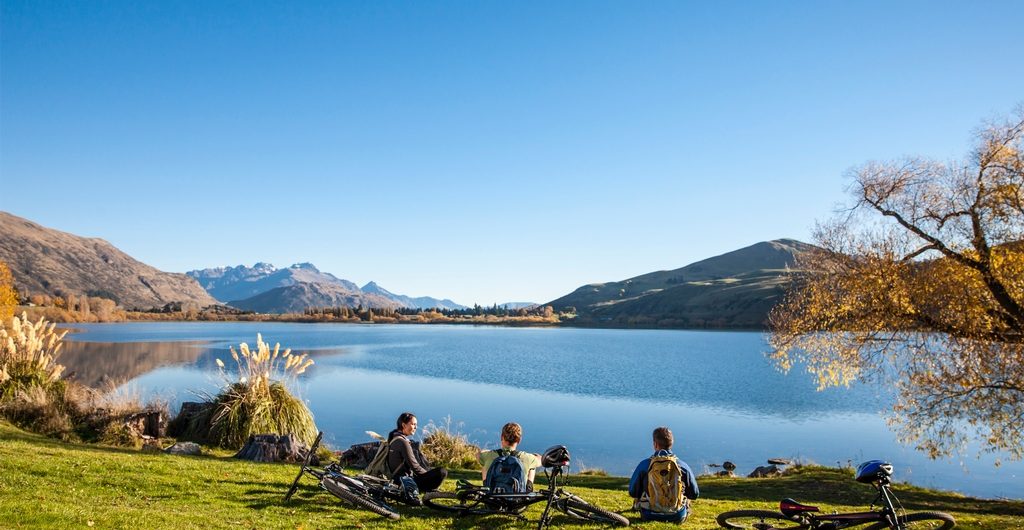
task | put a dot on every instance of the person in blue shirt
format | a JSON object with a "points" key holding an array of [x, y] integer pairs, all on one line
{"points": [[640, 482]]}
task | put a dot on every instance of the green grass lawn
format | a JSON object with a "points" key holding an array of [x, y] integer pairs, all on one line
{"points": [[45, 483]]}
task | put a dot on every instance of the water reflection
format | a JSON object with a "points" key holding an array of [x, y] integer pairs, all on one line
{"points": [[98, 364]]}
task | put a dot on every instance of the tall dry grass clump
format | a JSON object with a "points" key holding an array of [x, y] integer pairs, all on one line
{"points": [[256, 400], [446, 446], [28, 356]]}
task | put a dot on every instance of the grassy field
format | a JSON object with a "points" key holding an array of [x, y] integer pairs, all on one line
{"points": [[45, 483]]}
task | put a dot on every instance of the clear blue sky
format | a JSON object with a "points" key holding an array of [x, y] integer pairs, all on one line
{"points": [[482, 151]]}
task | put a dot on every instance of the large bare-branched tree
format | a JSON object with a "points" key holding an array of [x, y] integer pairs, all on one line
{"points": [[921, 283]]}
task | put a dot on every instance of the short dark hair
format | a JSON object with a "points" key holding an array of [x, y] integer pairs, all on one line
{"points": [[663, 438], [512, 433], [404, 418]]}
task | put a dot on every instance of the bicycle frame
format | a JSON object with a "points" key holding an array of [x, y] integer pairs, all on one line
{"points": [[515, 503], [887, 514]]}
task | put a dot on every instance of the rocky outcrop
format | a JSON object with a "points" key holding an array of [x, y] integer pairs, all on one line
{"points": [[275, 448]]}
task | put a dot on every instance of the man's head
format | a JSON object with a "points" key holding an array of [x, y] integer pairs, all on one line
{"points": [[663, 438], [511, 434]]}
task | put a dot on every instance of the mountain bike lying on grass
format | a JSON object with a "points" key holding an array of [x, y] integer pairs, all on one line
{"points": [[470, 499], [890, 515], [363, 491]]}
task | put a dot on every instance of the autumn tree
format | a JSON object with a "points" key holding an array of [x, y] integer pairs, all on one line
{"points": [[921, 283], [8, 294]]}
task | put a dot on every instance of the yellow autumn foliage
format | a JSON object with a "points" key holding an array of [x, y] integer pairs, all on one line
{"points": [[920, 284], [8, 295]]}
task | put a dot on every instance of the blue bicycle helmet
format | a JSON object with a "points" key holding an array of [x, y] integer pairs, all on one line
{"points": [[873, 470]]}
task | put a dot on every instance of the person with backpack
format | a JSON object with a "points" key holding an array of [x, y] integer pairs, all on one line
{"points": [[662, 485], [405, 464], [509, 470]]}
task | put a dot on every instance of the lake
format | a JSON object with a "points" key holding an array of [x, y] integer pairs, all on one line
{"points": [[599, 392]]}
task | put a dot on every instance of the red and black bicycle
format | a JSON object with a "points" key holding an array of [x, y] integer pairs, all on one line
{"points": [[889, 516]]}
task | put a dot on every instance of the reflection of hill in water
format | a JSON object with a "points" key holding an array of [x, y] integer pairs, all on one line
{"points": [[97, 363]]}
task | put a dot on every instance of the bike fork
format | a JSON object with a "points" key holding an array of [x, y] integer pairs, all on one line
{"points": [[545, 518]]}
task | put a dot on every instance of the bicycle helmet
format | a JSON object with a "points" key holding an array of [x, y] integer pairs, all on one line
{"points": [[873, 470], [555, 456]]}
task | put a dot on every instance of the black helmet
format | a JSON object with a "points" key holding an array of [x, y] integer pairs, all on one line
{"points": [[873, 470], [555, 456]]}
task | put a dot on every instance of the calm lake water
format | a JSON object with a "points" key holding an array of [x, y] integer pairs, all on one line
{"points": [[600, 392]]}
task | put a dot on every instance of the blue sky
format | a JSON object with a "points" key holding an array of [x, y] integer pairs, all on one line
{"points": [[481, 151]]}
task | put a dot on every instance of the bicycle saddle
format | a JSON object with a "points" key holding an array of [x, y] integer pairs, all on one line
{"points": [[789, 508], [555, 456]]}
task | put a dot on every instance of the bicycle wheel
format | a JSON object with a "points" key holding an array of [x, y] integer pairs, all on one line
{"points": [[921, 521], [757, 520], [360, 501], [305, 464], [449, 501], [582, 509]]}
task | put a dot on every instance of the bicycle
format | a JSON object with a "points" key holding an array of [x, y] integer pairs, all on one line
{"points": [[890, 515], [470, 499], [362, 491]]}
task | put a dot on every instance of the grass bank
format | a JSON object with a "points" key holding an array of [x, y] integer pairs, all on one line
{"points": [[45, 483]]}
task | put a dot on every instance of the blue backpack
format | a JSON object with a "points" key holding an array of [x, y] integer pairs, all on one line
{"points": [[506, 474]]}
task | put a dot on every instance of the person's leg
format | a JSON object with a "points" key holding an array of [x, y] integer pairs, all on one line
{"points": [[431, 480]]}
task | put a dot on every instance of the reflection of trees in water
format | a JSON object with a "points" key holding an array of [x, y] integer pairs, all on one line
{"points": [[98, 363]]}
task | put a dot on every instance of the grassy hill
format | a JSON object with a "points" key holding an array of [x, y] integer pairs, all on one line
{"points": [[51, 262], [46, 483], [734, 290]]}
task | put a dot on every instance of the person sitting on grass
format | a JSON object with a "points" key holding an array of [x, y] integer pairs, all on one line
{"points": [[404, 462], [508, 470], [662, 485]]}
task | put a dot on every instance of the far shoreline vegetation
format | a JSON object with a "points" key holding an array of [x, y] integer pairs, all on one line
{"points": [[82, 309]]}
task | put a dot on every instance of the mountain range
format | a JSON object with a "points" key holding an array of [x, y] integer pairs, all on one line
{"points": [[733, 290], [266, 289]]}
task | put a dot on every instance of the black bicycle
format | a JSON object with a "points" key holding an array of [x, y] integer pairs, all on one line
{"points": [[470, 499], [890, 515], [362, 491]]}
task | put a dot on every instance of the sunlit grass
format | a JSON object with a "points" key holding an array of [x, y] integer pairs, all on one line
{"points": [[45, 483]]}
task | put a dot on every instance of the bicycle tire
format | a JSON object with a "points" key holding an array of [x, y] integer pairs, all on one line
{"points": [[921, 521], [305, 464], [449, 501], [582, 509], [757, 520], [360, 501]]}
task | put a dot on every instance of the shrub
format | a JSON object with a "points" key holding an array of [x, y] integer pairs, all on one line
{"points": [[448, 447], [28, 354], [40, 410], [258, 402]]}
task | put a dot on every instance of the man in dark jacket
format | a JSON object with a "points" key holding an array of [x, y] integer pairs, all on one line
{"points": [[641, 482]]}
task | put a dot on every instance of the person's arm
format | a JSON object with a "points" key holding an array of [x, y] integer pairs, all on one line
{"points": [[692, 492], [636, 482], [410, 458], [532, 472], [483, 466]]}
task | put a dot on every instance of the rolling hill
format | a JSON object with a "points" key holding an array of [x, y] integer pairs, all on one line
{"points": [[733, 290], [51, 262]]}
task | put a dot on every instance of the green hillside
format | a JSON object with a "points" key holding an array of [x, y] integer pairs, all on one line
{"points": [[734, 290]]}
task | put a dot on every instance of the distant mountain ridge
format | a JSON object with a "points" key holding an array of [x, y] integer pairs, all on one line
{"points": [[420, 302], [733, 290], [47, 261], [239, 283], [266, 289]]}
